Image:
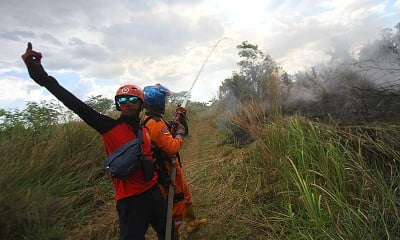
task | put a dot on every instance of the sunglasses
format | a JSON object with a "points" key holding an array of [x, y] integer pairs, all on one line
{"points": [[123, 100]]}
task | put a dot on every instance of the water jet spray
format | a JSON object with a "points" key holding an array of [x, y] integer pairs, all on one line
{"points": [[187, 96]]}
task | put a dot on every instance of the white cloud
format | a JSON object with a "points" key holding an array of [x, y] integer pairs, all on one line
{"points": [[144, 42], [16, 92]]}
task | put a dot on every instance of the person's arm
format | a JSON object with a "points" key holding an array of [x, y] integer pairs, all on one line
{"points": [[32, 60], [162, 138]]}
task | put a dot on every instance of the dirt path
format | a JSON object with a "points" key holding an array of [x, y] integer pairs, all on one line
{"points": [[207, 167], [198, 155], [200, 159]]}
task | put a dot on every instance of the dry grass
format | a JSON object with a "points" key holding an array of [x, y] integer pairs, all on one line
{"points": [[252, 192]]}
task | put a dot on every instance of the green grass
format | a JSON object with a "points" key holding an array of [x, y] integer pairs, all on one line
{"points": [[50, 181], [324, 186], [294, 179]]}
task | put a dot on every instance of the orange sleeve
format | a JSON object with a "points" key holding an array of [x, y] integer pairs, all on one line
{"points": [[161, 137]]}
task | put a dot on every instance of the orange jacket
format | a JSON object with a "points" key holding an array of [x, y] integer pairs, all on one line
{"points": [[161, 136], [169, 146]]}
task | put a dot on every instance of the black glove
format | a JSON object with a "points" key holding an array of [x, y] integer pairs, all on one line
{"points": [[36, 71]]}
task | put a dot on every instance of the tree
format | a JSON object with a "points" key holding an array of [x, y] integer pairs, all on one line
{"points": [[35, 116], [380, 60], [365, 89], [252, 81], [100, 103], [40, 115], [176, 98], [10, 119]]}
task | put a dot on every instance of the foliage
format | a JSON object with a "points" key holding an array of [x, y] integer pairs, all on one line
{"points": [[328, 177], [253, 79], [51, 182], [179, 98], [283, 177], [306, 180], [351, 91], [382, 56], [100, 103], [176, 98], [35, 116], [39, 116], [296, 179], [346, 89]]}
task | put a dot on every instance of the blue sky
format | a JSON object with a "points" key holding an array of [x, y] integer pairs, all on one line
{"points": [[93, 47]]}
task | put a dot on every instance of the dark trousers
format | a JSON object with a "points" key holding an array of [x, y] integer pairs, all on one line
{"points": [[136, 213]]}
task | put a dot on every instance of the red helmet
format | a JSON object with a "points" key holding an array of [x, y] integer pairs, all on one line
{"points": [[129, 90]]}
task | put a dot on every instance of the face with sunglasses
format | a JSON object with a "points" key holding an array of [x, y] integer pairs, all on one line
{"points": [[129, 104]]}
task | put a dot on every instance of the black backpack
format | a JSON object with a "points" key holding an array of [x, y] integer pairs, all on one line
{"points": [[124, 160]]}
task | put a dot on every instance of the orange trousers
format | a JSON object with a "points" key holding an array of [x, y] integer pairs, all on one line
{"points": [[179, 207]]}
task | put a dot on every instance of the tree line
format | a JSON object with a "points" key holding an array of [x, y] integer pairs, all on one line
{"points": [[345, 89]]}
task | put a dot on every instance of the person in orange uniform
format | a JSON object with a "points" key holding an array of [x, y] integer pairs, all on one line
{"points": [[165, 146]]}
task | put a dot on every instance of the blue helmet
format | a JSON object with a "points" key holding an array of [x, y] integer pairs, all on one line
{"points": [[154, 97]]}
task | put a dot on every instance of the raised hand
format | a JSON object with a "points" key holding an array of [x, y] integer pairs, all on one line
{"points": [[30, 56], [32, 60]]}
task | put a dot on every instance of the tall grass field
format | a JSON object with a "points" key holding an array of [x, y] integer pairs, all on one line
{"points": [[291, 179]]}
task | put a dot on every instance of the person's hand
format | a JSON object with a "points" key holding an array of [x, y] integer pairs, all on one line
{"points": [[180, 134], [32, 60]]}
